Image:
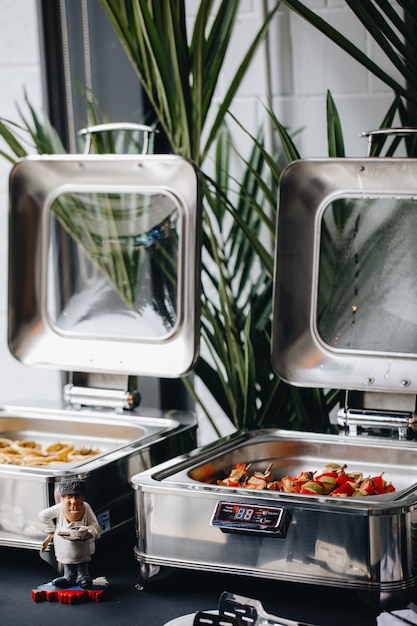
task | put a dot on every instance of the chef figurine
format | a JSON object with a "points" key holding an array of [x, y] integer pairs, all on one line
{"points": [[73, 526]]}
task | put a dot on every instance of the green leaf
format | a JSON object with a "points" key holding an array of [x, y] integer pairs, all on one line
{"points": [[236, 81], [11, 141], [334, 129]]}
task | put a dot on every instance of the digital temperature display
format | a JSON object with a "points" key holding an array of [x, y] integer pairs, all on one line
{"points": [[258, 518]]}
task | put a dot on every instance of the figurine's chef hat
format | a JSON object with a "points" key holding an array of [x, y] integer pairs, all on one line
{"points": [[72, 487]]}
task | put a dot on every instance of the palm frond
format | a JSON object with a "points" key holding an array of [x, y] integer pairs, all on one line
{"points": [[180, 79]]}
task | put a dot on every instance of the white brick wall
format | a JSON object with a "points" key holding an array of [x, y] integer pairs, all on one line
{"points": [[318, 65], [303, 66], [19, 71]]}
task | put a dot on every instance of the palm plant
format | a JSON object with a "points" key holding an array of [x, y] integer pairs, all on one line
{"points": [[179, 79], [236, 325]]}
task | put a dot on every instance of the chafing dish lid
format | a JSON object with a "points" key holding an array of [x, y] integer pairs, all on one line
{"points": [[345, 290], [104, 263]]}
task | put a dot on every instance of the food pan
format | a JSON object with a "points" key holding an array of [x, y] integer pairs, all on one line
{"points": [[125, 443]]}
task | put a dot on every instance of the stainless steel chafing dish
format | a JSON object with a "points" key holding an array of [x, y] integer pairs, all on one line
{"points": [[103, 286], [345, 316]]}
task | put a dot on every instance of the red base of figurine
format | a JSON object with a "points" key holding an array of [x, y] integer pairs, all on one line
{"points": [[72, 595]]}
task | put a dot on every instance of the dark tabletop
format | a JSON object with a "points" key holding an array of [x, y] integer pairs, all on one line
{"points": [[171, 594]]}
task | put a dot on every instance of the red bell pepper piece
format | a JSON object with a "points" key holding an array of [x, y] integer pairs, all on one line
{"points": [[347, 489], [342, 478], [379, 483], [330, 474], [368, 487]]}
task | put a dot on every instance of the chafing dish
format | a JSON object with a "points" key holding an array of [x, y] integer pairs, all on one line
{"points": [[104, 287], [344, 316], [186, 520]]}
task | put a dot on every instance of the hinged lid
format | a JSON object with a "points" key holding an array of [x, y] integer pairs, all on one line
{"points": [[345, 300], [104, 263]]}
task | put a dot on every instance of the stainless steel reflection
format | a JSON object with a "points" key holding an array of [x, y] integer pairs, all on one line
{"points": [[368, 544], [128, 260], [129, 442], [373, 307]]}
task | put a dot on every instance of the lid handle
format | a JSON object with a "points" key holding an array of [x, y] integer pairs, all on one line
{"points": [[119, 127], [382, 133]]}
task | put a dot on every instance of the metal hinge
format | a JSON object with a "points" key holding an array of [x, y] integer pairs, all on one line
{"points": [[101, 391], [101, 398], [378, 412]]}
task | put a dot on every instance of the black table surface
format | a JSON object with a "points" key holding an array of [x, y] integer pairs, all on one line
{"points": [[169, 595]]}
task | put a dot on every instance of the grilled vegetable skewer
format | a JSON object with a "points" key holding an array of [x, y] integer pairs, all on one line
{"points": [[333, 481]]}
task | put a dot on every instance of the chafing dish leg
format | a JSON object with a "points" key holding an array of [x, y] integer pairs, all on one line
{"points": [[146, 571]]}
